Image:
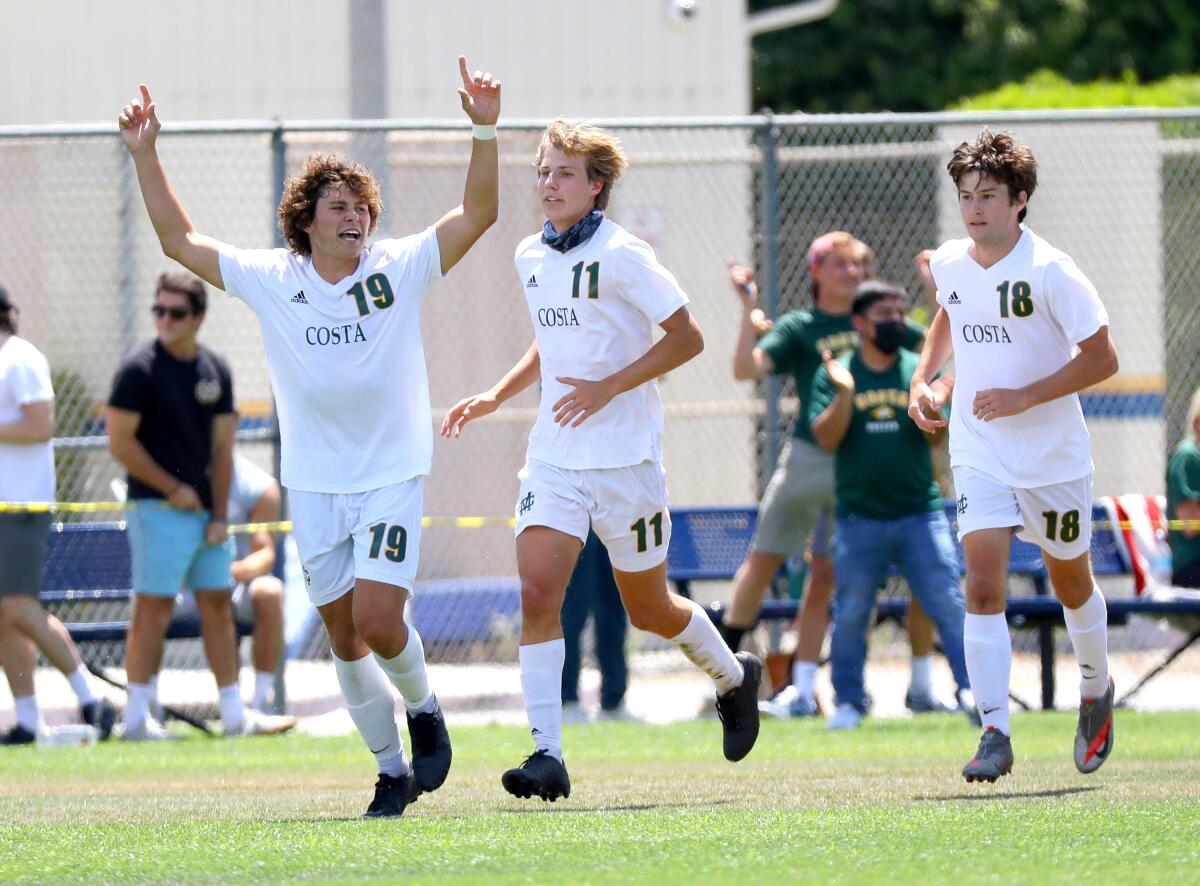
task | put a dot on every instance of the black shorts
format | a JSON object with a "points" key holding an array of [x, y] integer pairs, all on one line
{"points": [[1187, 577], [23, 552]]}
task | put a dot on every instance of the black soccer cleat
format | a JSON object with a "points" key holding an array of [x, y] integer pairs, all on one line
{"points": [[102, 714], [391, 796], [17, 735], [542, 774], [738, 709], [431, 752], [993, 759]]}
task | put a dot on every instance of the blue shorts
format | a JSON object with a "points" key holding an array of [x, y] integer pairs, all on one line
{"points": [[168, 551]]}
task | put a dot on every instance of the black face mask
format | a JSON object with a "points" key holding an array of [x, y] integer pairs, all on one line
{"points": [[889, 335]]}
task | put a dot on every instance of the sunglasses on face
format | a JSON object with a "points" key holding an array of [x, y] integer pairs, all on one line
{"points": [[173, 313]]}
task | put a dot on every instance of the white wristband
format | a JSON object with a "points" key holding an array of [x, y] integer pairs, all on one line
{"points": [[483, 133]]}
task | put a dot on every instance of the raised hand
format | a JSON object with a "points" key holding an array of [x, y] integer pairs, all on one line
{"points": [[139, 123], [466, 410], [480, 95], [742, 279], [838, 374]]}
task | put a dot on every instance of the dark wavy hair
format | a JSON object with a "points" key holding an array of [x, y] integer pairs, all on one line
{"points": [[998, 156], [322, 173]]}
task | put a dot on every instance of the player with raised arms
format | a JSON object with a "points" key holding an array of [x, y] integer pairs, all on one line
{"points": [[595, 293], [1028, 332], [340, 324]]}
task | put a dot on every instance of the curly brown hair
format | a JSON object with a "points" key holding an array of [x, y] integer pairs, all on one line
{"points": [[998, 156], [322, 172], [600, 149]]}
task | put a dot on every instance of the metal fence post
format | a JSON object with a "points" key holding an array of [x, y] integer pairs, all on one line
{"points": [[769, 277], [126, 249]]}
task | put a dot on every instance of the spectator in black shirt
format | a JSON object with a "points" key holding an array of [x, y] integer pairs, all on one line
{"points": [[171, 423]]}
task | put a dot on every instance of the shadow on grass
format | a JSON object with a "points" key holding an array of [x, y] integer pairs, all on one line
{"points": [[1013, 795], [544, 807]]}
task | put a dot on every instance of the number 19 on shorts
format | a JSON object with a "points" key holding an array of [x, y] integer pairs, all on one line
{"points": [[390, 541]]}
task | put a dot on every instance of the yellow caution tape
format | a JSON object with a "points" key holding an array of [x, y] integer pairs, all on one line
{"points": [[93, 507], [96, 507]]}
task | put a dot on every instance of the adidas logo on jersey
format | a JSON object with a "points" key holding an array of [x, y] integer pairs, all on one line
{"points": [[954, 299], [299, 299], [531, 283]]}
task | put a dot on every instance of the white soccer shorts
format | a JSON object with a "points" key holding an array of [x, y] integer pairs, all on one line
{"points": [[342, 536], [1057, 518], [627, 508]]}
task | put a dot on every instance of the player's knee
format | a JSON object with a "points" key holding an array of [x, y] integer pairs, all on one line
{"points": [[984, 594], [266, 588], [539, 599], [213, 603]]}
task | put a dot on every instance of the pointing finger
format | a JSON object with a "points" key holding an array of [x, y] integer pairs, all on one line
{"points": [[462, 69]]}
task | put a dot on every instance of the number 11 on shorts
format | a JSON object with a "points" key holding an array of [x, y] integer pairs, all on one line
{"points": [[640, 528], [396, 537]]}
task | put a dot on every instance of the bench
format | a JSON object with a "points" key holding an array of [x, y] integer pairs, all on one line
{"points": [[710, 543], [89, 563]]}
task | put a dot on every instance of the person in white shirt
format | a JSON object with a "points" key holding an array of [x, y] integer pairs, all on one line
{"points": [[1028, 332], [595, 293], [340, 324], [27, 475]]}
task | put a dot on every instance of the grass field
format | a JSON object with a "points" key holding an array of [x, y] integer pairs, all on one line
{"points": [[649, 803]]}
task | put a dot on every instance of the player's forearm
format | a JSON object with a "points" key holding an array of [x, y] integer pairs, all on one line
{"points": [[170, 219], [1085, 369], [935, 353], [28, 429], [132, 456], [671, 351], [255, 564], [744, 367], [829, 428], [524, 373], [481, 195], [220, 475]]}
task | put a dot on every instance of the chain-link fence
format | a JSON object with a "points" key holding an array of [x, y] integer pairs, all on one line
{"points": [[1118, 191]]}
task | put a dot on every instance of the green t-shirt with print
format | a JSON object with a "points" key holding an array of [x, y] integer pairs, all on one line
{"points": [[883, 468], [1183, 484], [796, 342]]}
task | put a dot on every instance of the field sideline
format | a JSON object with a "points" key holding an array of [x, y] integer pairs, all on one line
{"points": [[649, 803]]}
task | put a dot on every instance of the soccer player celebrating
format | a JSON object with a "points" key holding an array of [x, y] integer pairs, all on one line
{"points": [[595, 293], [340, 325], [1028, 332]]}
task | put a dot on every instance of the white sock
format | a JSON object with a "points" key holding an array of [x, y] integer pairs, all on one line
{"points": [[702, 644], [921, 682], [804, 674], [28, 716], [372, 707], [153, 684], [541, 682], [81, 682], [407, 672], [264, 683], [988, 649], [137, 704], [233, 712], [1088, 627]]}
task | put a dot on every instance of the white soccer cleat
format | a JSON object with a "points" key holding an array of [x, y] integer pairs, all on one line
{"points": [[148, 730], [255, 723], [847, 716]]}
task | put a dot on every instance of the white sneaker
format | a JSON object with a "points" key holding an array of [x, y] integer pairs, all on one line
{"points": [[255, 723], [847, 716], [148, 730], [576, 714]]}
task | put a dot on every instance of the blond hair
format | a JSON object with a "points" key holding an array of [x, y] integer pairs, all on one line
{"points": [[600, 149], [1192, 416]]}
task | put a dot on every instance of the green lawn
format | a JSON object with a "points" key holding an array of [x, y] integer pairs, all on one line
{"points": [[649, 803]]}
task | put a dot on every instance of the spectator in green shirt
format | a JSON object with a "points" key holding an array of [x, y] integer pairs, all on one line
{"points": [[1183, 502], [888, 507]]}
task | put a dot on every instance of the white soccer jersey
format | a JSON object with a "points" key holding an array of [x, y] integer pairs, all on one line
{"points": [[346, 363], [1012, 324], [594, 309]]}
